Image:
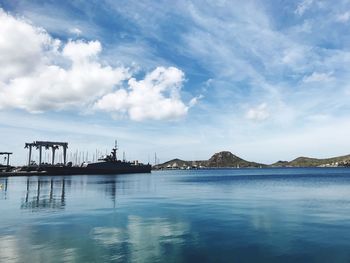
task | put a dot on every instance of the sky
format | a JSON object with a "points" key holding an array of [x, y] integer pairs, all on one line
{"points": [[266, 80]]}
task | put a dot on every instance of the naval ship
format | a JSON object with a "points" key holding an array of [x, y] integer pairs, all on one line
{"points": [[107, 165]]}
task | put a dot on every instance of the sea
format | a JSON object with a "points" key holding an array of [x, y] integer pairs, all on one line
{"points": [[218, 215]]}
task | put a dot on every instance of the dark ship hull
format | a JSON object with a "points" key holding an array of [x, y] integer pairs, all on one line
{"points": [[99, 168]]}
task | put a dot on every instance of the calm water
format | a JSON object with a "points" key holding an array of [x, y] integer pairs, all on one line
{"points": [[243, 215]]}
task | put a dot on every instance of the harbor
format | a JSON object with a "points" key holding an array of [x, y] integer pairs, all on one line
{"points": [[106, 164]]}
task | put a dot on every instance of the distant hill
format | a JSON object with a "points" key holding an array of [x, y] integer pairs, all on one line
{"points": [[176, 163], [226, 159], [181, 164], [221, 160], [314, 162]]}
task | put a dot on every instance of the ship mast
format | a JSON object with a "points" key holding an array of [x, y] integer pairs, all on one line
{"points": [[114, 151]]}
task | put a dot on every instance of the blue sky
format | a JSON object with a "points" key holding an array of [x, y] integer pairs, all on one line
{"points": [[266, 80]]}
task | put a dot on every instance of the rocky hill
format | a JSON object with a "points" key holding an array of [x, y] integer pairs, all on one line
{"points": [[227, 159]]}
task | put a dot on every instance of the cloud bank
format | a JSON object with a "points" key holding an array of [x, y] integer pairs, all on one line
{"points": [[40, 73], [155, 97]]}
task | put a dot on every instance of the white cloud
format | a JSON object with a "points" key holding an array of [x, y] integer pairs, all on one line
{"points": [[79, 51], [343, 17], [303, 6], [258, 113], [318, 77], [75, 31], [40, 73], [195, 100], [293, 56], [23, 48], [156, 97], [53, 87]]}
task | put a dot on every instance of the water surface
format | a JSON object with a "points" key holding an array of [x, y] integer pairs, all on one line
{"points": [[240, 215]]}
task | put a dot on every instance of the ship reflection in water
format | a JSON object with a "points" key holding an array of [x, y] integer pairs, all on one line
{"points": [[243, 215]]}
